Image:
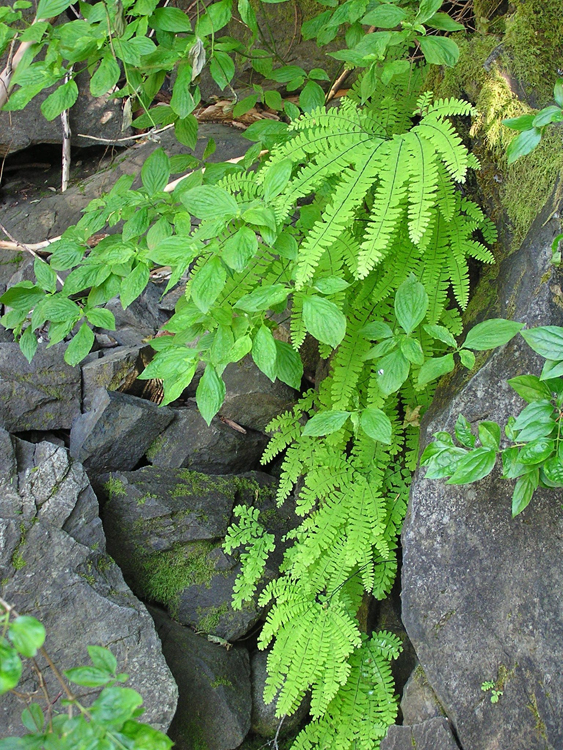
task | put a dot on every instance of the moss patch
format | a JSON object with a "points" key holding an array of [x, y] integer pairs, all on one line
{"points": [[210, 617], [114, 487]]}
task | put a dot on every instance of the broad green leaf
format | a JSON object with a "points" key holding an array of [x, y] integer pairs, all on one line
{"points": [[377, 330], [547, 115], [435, 368], [10, 667], [208, 283], [289, 367], [392, 372], [467, 358], [524, 491], [523, 144], [174, 251], [62, 98], [218, 15], [394, 68], [524, 122], [22, 296], [156, 171], [311, 97], [536, 420], [185, 130], [385, 16], [331, 285], [286, 246], [381, 349], [411, 304], [66, 254], [240, 349], [376, 424], [102, 658], [263, 298], [210, 202], [463, 432], [88, 676], [182, 101], [443, 22], [80, 345], [474, 466], [222, 69], [324, 320], [28, 343], [101, 318], [145, 737], [106, 76], [51, 8], [223, 340], [240, 248], [115, 705], [325, 423], [210, 394], [276, 179], [170, 19], [412, 350], [175, 385], [553, 469], [427, 9], [27, 634], [489, 435], [441, 459], [530, 388], [439, 50], [264, 352], [551, 369], [134, 284], [32, 718], [491, 333], [558, 92], [546, 341], [45, 275], [537, 450]]}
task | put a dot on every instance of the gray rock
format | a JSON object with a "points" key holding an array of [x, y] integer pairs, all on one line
{"points": [[252, 399], [140, 321], [41, 395], [481, 591], [214, 689], [215, 449], [434, 734], [115, 434], [419, 702], [264, 721], [53, 566], [117, 371], [165, 528]]}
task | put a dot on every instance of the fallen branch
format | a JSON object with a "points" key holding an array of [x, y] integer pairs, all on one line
{"points": [[27, 248], [65, 121]]}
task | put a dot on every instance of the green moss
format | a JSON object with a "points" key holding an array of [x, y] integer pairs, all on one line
{"points": [[18, 561], [210, 617], [221, 681], [114, 487], [540, 724], [155, 447], [147, 496]]}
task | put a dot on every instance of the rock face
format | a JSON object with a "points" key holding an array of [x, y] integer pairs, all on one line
{"points": [[42, 395], [53, 565], [481, 592], [165, 529], [434, 734], [419, 701], [214, 689], [117, 371]]}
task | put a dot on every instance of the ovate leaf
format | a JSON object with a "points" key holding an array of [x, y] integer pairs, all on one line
{"points": [[80, 345], [546, 341], [491, 333], [474, 466], [523, 492], [376, 424], [62, 98], [156, 171], [10, 667], [210, 394], [325, 423], [530, 388], [324, 320], [439, 50], [411, 304], [435, 368], [289, 367], [209, 202], [264, 352], [27, 634], [263, 298], [392, 372], [208, 283]]}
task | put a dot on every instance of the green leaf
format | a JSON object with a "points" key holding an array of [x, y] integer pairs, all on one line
{"points": [[101, 318], [376, 424], [435, 368], [45, 275], [170, 19], [489, 435], [263, 298], [88, 676], [208, 283], [392, 372], [80, 345], [523, 492], [145, 737], [210, 394], [210, 202], [377, 330], [535, 421], [134, 284], [115, 705], [474, 466], [240, 248], [412, 350], [427, 9], [264, 352], [273, 100], [463, 432], [324, 320], [530, 388], [467, 358], [439, 50], [289, 367], [311, 97], [551, 369], [62, 98], [331, 285], [182, 101], [240, 349], [66, 254], [443, 22], [546, 341], [276, 179], [558, 92], [491, 333], [186, 131], [32, 718], [523, 144], [244, 105], [547, 115], [106, 76], [174, 251], [325, 423], [553, 469], [27, 634], [381, 349], [411, 304], [156, 171], [537, 451], [524, 122], [222, 69], [10, 667], [102, 658], [385, 16], [286, 246], [51, 8], [28, 343]]}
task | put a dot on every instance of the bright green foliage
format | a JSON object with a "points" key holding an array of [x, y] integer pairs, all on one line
{"points": [[535, 458], [530, 127]]}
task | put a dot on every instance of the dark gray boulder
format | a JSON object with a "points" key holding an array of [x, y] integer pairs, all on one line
{"points": [[214, 688], [481, 591], [418, 701], [42, 395], [165, 528], [115, 434], [53, 565], [117, 371], [434, 734], [215, 449]]}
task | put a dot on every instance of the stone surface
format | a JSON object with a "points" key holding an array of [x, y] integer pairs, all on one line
{"points": [[481, 591], [165, 529], [419, 702], [215, 449], [53, 565], [434, 734], [116, 371], [264, 721], [214, 689], [252, 399], [115, 434], [42, 395], [141, 320]]}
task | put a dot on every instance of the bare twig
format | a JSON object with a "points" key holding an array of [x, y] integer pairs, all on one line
{"points": [[336, 85], [66, 143], [138, 136], [30, 250]]}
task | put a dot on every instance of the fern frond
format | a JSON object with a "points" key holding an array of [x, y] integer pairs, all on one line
{"points": [[450, 107], [422, 184], [448, 144]]}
